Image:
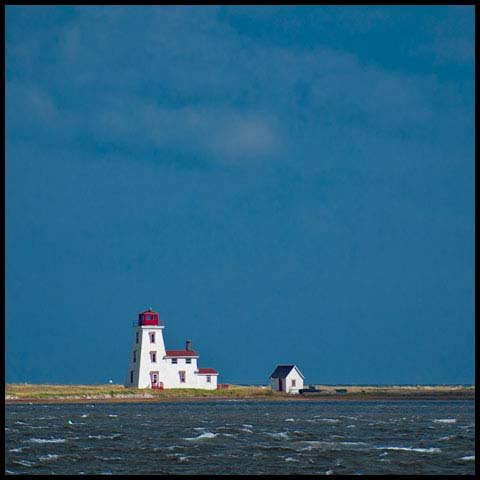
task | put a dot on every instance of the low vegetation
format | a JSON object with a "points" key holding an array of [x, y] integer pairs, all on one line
{"points": [[72, 393]]}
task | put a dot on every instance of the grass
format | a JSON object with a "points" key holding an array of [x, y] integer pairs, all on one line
{"points": [[27, 392]]}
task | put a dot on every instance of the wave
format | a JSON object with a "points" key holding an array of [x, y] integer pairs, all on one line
{"points": [[105, 437], [290, 459], [108, 459], [445, 420], [24, 463], [47, 440], [469, 457], [279, 435], [289, 419], [412, 449], [203, 436], [49, 457]]}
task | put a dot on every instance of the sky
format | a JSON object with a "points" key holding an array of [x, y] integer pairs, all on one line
{"points": [[283, 184]]}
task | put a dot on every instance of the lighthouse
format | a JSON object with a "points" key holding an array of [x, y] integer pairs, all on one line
{"points": [[152, 366]]}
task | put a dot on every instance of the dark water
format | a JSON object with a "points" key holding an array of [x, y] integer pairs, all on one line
{"points": [[241, 437]]}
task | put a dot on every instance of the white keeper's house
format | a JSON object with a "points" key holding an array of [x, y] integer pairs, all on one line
{"points": [[151, 366], [287, 378]]}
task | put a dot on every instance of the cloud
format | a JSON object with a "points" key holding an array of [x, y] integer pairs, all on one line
{"points": [[227, 135]]}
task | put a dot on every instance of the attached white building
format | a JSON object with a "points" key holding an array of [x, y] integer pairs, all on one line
{"points": [[287, 378], [152, 366]]}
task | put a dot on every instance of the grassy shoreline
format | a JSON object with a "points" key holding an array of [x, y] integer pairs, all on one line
{"points": [[25, 393]]}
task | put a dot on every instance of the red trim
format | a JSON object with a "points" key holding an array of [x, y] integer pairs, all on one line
{"points": [[152, 382], [181, 353], [207, 371]]}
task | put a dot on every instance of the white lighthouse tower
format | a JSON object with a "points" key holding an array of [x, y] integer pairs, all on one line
{"points": [[147, 352], [151, 366]]}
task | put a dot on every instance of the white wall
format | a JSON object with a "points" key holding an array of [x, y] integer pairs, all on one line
{"points": [[287, 382], [293, 375], [202, 382], [143, 365], [168, 372]]}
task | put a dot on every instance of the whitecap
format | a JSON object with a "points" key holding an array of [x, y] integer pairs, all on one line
{"points": [[247, 430], [289, 419], [103, 437], [411, 449], [329, 472], [329, 420], [290, 459], [47, 440], [48, 457], [247, 425], [447, 437], [16, 450], [112, 415], [203, 436], [445, 420], [469, 457], [353, 443], [279, 435], [24, 463], [351, 426], [85, 415]]}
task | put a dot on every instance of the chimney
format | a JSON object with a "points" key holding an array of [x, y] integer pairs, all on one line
{"points": [[188, 345]]}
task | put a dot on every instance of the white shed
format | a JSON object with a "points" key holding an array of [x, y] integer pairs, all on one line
{"points": [[287, 378]]}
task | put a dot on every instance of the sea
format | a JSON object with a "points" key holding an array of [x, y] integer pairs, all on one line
{"points": [[242, 437]]}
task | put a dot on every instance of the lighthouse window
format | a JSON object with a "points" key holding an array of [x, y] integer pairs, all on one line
{"points": [[131, 376], [153, 356], [152, 337], [209, 379], [136, 338], [134, 356], [188, 360], [182, 376], [174, 360]]}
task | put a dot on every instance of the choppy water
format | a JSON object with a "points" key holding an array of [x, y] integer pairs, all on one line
{"points": [[242, 437]]}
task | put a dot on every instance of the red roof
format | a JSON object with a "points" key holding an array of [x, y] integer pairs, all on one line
{"points": [[207, 371], [181, 353]]}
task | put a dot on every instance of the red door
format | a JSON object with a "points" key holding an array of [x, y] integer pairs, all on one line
{"points": [[280, 385], [154, 379]]}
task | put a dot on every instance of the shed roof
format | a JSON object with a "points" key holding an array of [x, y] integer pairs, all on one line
{"points": [[207, 371], [181, 353], [283, 370]]}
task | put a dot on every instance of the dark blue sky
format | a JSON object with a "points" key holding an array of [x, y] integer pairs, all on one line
{"points": [[282, 184]]}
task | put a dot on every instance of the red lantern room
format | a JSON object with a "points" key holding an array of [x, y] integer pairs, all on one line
{"points": [[148, 317]]}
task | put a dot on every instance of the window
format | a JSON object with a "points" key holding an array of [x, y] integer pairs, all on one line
{"points": [[131, 376], [153, 357], [134, 356], [182, 376], [294, 382], [174, 360], [209, 379], [188, 360], [152, 337], [136, 338]]}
